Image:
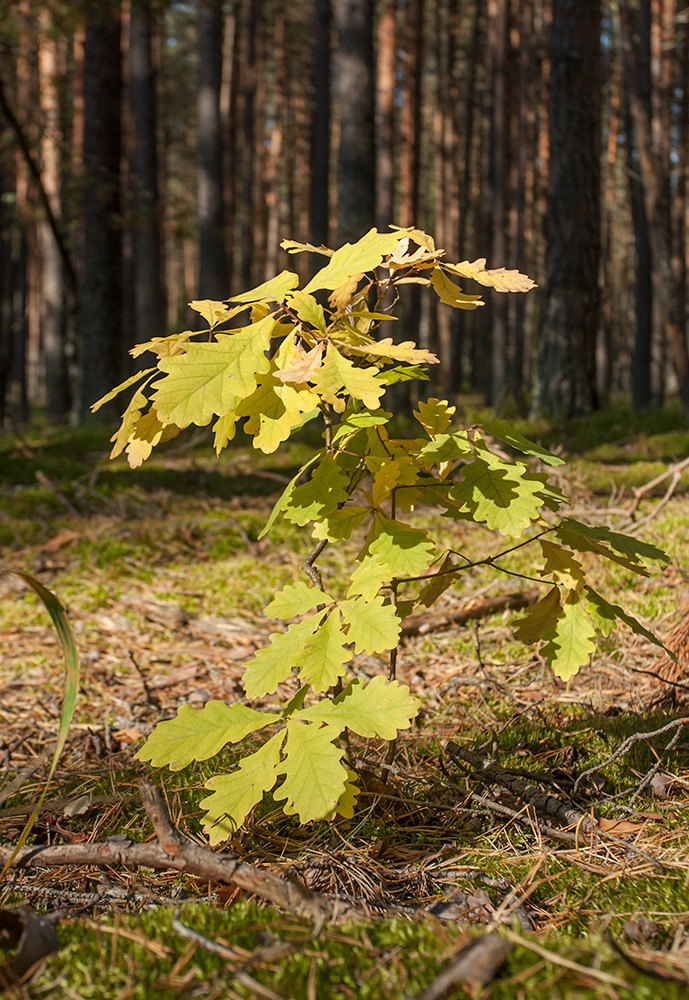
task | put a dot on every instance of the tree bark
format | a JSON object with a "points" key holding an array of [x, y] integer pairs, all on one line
{"points": [[566, 365], [213, 272], [149, 294], [655, 177], [498, 167], [319, 186], [53, 311], [102, 357], [249, 20], [355, 87], [385, 90]]}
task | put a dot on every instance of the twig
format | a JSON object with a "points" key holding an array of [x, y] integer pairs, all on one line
{"points": [[422, 623], [308, 565], [627, 745], [565, 963], [549, 805], [645, 970], [490, 773], [648, 778], [274, 950], [473, 965], [47, 482], [676, 472], [174, 851]]}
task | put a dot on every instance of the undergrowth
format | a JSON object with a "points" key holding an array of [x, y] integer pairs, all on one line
{"points": [[191, 552]]}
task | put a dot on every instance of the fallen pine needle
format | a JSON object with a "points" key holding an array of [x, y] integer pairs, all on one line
{"points": [[566, 963]]}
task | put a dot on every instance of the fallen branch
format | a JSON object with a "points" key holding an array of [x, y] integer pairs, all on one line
{"points": [[491, 773], [675, 471], [174, 851], [434, 621], [627, 744], [474, 966]]}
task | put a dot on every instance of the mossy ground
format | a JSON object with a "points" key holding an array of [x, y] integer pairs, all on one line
{"points": [[184, 530]]}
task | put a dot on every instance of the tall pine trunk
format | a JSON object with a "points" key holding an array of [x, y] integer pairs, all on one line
{"points": [[567, 360], [102, 355], [355, 87], [149, 294], [53, 311], [213, 271]]}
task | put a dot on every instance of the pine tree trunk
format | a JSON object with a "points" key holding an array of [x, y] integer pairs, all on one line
{"points": [[355, 88], [247, 167], [655, 177], [53, 311], [213, 276], [385, 90], [102, 355], [319, 185], [149, 295], [566, 366]]}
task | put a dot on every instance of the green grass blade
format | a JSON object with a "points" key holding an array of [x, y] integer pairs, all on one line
{"points": [[70, 691]]}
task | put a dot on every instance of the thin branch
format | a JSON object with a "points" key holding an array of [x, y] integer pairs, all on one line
{"points": [[308, 565], [627, 745], [42, 194]]}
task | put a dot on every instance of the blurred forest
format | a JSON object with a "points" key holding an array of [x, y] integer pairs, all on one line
{"points": [[157, 152]]}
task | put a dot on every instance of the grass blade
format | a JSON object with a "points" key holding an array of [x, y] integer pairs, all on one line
{"points": [[70, 690]]}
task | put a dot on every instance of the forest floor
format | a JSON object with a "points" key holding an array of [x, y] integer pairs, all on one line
{"points": [[450, 848]]}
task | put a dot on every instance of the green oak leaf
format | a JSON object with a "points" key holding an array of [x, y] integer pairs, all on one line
{"points": [[353, 421], [368, 578], [315, 777], [308, 309], [379, 708], [561, 566], [627, 546], [355, 258], [406, 551], [338, 373], [502, 430], [373, 626], [434, 415], [346, 807], [323, 660], [499, 493], [444, 448], [275, 409], [235, 795], [577, 540], [538, 617], [273, 664], [274, 290], [340, 524], [403, 373], [569, 639], [604, 614], [201, 733], [320, 496], [295, 599], [286, 495], [208, 378]]}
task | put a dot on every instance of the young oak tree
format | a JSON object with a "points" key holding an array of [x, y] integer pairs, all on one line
{"points": [[311, 353]]}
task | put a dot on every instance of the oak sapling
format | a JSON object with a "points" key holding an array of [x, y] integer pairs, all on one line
{"points": [[323, 353]]}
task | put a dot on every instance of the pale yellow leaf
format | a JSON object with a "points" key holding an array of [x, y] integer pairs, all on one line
{"points": [[451, 294], [497, 278]]}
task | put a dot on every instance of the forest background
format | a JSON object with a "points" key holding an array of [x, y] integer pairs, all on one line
{"points": [[154, 153]]}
